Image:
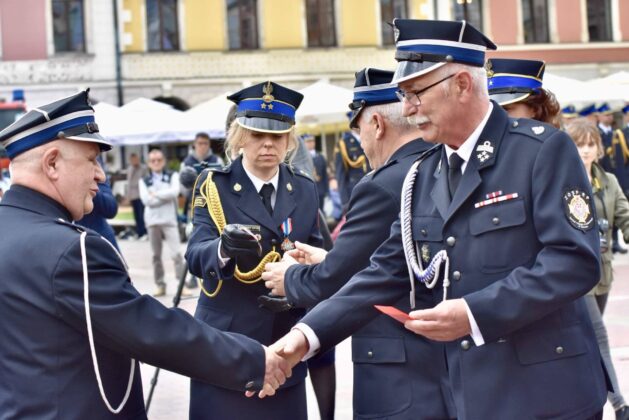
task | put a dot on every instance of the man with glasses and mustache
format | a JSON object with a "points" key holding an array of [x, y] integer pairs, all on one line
{"points": [[497, 227]]}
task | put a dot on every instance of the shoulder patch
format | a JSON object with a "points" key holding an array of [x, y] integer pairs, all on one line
{"points": [[199, 202], [578, 208]]}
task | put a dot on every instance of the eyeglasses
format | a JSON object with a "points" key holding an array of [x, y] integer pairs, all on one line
{"points": [[413, 96]]}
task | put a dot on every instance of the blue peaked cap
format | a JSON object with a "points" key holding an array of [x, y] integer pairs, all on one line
{"points": [[625, 109], [588, 110], [425, 45], [604, 109], [266, 107], [371, 87], [69, 118], [569, 111], [510, 80]]}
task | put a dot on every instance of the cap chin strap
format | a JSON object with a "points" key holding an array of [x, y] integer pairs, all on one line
{"points": [[90, 334], [430, 275]]}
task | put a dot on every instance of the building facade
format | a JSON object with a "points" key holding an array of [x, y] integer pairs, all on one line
{"points": [[188, 51]]}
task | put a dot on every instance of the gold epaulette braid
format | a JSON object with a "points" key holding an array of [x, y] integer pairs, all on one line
{"points": [[209, 192], [360, 161], [619, 138]]}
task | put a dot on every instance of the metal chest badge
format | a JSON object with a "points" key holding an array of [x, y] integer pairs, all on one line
{"points": [[287, 228], [425, 253], [578, 209], [484, 151]]}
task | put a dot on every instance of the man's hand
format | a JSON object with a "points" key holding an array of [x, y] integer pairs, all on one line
{"points": [[292, 347], [273, 275], [237, 241], [276, 372], [445, 322], [307, 254]]}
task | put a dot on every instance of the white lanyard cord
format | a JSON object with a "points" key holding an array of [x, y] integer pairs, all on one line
{"points": [[430, 275], [90, 334]]}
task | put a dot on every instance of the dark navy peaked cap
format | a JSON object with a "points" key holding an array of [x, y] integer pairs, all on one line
{"points": [[588, 110], [510, 80], [625, 109], [604, 109], [425, 45], [69, 118], [372, 87], [266, 107]]}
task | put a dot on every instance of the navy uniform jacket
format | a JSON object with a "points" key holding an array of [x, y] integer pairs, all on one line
{"points": [[45, 364], [521, 265], [346, 176], [192, 160], [321, 174], [235, 307], [391, 376]]}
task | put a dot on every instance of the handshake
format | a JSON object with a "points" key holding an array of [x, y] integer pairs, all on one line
{"points": [[280, 358]]}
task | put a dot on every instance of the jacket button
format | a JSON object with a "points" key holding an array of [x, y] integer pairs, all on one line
{"points": [[495, 220], [249, 385], [559, 350], [451, 240], [213, 273], [370, 354], [456, 275], [273, 242], [423, 232], [465, 345]]}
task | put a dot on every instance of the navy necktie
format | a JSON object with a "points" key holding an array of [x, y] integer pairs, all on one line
{"points": [[454, 172], [265, 192]]}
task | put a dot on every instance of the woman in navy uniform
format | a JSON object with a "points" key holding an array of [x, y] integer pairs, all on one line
{"points": [[245, 215], [517, 87]]}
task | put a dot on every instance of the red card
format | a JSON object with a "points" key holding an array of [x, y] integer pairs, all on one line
{"points": [[394, 313]]}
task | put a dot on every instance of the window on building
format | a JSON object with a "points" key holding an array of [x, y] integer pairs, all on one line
{"points": [[599, 20], [535, 21], [242, 24], [471, 11], [320, 21], [68, 25], [162, 25], [389, 10]]}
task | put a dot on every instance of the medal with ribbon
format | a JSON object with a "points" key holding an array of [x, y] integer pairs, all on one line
{"points": [[287, 228]]}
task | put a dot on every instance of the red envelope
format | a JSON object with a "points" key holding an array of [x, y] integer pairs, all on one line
{"points": [[394, 313]]}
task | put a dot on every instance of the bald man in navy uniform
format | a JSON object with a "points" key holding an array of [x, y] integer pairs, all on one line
{"points": [[73, 326], [512, 229]]}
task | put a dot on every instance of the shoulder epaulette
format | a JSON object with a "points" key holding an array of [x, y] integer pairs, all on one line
{"points": [[302, 173], [531, 128], [77, 228]]}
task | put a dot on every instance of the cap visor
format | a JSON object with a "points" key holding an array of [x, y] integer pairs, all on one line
{"points": [[264, 125], [92, 138], [509, 98], [407, 70]]}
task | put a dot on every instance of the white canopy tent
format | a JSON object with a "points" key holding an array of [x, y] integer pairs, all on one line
{"points": [[144, 121], [323, 104], [613, 89]]}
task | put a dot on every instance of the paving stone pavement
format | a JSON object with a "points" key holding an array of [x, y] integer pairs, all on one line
{"points": [[170, 400]]}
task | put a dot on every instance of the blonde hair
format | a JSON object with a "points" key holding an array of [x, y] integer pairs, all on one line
{"points": [[238, 135], [583, 131]]}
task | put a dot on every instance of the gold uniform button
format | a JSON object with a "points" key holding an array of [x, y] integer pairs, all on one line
{"points": [[465, 345]]}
